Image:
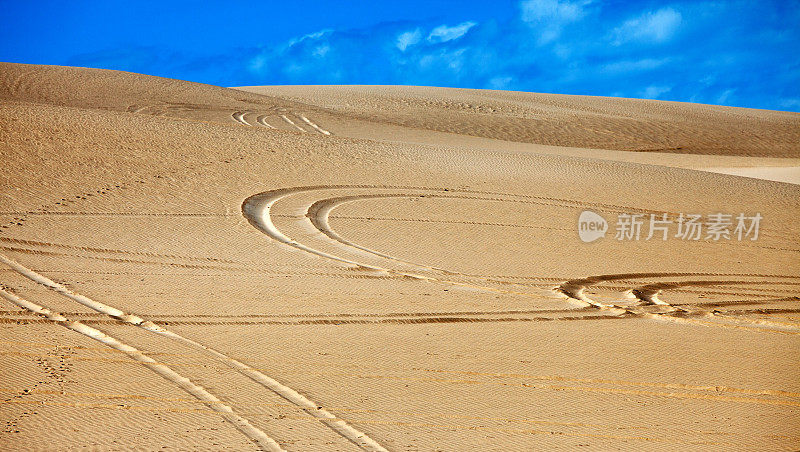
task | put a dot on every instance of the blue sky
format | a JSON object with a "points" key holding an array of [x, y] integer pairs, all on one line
{"points": [[737, 53]]}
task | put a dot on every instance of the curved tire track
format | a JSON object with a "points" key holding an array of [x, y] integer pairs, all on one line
{"points": [[262, 119], [292, 123], [343, 428], [238, 116], [211, 401], [315, 126], [257, 209]]}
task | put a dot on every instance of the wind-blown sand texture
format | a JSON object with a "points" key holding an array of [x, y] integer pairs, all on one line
{"points": [[184, 266]]}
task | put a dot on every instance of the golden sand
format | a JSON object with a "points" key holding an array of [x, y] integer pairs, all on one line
{"points": [[186, 266]]}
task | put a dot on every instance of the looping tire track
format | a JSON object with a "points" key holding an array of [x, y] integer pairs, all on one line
{"points": [[336, 424], [647, 294], [257, 209]]}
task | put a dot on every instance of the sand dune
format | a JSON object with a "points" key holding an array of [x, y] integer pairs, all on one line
{"points": [[559, 120], [386, 268]]}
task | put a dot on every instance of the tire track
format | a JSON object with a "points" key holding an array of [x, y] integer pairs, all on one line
{"points": [[545, 200], [648, 295], [72, 213], [117, 214], [470, 223], [238, 116], [233, 270], [115, 251], [243, 425], [347, 321], [720, 304], [575, 288], [315, 126], [212, 320], [325, 417], [234, 267], [319, 213], [292, 123], [257, 209], [262, 119], [590, 389], [766, 293], [241, 272], [340, 315], [122, 260]]}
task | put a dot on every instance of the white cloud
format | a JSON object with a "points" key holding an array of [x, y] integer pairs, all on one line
{"points": [[443, 33], [658, 26], [548, 17], [310, 36], [534, 11], [513, 54], [408, 38], [654, 91]]}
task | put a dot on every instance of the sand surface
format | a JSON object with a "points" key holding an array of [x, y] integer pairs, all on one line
{"points": [[190, 267], [788, 174]]}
